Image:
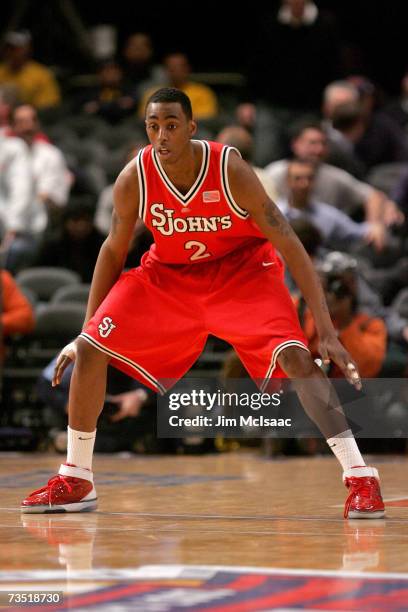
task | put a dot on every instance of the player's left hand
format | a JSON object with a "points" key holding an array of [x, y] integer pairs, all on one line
{"points": [[331, 349]]}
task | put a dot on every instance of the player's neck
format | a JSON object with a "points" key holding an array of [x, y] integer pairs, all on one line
{"points": [[184, 172]]}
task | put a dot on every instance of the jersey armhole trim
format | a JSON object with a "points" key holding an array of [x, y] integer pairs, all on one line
{"points": [[142, 185], [240, 212]]}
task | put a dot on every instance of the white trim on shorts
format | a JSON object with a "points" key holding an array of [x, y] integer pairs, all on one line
{"points": [[277, 350], [139, 369]]}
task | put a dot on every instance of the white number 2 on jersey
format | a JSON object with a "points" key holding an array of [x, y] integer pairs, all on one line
{"points": [[200, 252]]}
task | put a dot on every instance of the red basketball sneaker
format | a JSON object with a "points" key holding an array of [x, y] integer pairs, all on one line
{"points": [[364, 500], [71, 490]]}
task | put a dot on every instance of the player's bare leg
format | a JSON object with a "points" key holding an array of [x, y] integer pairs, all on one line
{"points": [[72, 489], [322, 405], [88, 387]]}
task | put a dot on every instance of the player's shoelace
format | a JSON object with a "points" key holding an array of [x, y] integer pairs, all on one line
{"points": [[51, 485], [359, 486], [54, 482]]}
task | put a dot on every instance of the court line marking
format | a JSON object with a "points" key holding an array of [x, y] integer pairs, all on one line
{"points": [[159, 572], [283, 571], [17, 510], [147, 530]]}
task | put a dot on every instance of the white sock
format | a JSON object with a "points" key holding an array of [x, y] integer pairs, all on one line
{"points": [[80, 448], [346, 450]]}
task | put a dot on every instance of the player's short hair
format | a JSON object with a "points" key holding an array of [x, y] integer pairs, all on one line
{"points": [[170, 95]]}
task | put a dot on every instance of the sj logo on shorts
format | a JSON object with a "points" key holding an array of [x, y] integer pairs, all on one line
{"points": [[106, 327]]}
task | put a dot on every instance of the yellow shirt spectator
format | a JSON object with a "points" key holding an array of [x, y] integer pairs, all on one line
{"points": [[35, 84]]}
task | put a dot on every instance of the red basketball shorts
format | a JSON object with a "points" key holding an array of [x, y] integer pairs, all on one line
{"points": [[155, 320]]}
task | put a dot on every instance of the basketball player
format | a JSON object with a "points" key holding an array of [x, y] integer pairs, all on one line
{"points": [[212, 270]]}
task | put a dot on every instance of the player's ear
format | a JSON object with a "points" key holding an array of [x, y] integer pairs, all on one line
{"points": [[193, 127]]}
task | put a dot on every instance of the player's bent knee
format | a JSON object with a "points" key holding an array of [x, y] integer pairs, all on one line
{"points": [[296, 362], [87, 353]]}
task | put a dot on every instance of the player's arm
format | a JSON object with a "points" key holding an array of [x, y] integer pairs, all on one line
{"points": [[112, 254], [250, 195]]}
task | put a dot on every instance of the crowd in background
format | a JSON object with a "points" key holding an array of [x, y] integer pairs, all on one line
{"points": [[330, 148]]}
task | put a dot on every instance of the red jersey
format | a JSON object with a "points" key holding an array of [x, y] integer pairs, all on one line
{"points": [[202, 225]]}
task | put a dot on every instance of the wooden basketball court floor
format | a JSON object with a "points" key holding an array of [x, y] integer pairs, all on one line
{"points": [[232, 532]]}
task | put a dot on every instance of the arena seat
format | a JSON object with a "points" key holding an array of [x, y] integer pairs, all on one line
{"points": [[86, 125], [30, 295], [122, 135], [71, 293], [58, 323], [44, 281], [400, 303], [85, 151]]}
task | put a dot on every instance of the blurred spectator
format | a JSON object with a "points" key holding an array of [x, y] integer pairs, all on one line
{"points": [[51, 176], [104, 207], [7, 102], [332, 185], [34, 83], [378, 140], [178, 71], [361, 331], [241, 139], [141, 242], [77, 245], [138, 63], [294, 56], [357, 276], [354, 273], [17, 241], [112, 99], [312, 241], [17, 315], [308, 234], [363, 336], [337, 229], [397, 110], [336, 94], [142, 237], [400, 193], [127, 415], [340, 151]]}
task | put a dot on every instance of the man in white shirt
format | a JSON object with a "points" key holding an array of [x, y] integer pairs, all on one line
{"points": [[51, 175], [338, 231], [16, 190], [332, 185]]}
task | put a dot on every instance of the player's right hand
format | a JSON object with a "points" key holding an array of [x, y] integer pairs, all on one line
{"points": [[65, 357]]}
